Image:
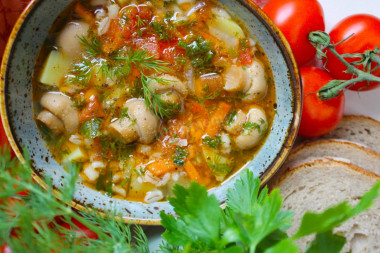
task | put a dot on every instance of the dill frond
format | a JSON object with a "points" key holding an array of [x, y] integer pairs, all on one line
{"points": [[91, 45], [162, 109]]}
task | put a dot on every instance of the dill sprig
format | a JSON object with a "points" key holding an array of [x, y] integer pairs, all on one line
{"points": [[143, 61], [163, 109], [118, 66], [91, 45]]}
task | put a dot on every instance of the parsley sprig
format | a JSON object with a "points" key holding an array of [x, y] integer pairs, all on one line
{"points": [[251, 222]]}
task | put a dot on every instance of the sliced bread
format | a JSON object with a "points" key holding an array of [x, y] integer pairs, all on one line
{"points": [[319, 184], [360, 129], [340, 149]]}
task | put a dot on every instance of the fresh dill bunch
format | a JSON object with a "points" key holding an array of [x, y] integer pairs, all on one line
{"points": [[163, 109], [29, 223]]}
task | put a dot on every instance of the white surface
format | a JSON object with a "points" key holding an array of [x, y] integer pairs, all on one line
{"points": [[362, 103]]}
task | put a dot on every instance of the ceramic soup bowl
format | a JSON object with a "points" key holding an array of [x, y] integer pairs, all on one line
{"points": [[17, 108]]}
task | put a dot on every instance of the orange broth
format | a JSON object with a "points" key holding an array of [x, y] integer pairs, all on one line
{"points": [[188, 144]]}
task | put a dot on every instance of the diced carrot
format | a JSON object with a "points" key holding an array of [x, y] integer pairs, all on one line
{"points": [[192, 152], [217, 118], [160, 167], [192, 172], [84, 13]]}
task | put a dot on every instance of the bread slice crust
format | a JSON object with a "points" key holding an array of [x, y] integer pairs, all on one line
{"points": [[320, 183], [360, 129], [338, 149]]}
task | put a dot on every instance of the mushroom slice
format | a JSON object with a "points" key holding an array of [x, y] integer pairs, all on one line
{"points": [[234, 78], [125, 129], [146, 122], [62, 107], [252, 132], [235, 126], [255, 85], [171, 83], [52, 122], [68, 39]]}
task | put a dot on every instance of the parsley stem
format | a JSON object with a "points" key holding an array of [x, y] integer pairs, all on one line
{"points": [[321, 41]]}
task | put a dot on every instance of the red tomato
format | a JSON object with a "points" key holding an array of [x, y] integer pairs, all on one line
{"points": [[319, 117], [296, 19], [5, 248], [367, 36]]}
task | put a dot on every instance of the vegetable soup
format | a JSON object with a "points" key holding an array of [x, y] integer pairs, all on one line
{"points": [[143, 95]]}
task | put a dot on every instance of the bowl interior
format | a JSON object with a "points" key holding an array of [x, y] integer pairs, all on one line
{"points": [[17, 105]]}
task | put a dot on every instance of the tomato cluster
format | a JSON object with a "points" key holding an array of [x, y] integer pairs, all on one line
{"points": [[296, 19]]}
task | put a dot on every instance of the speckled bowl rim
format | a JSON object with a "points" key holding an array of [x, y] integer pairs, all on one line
{"points": [[270, 171]]}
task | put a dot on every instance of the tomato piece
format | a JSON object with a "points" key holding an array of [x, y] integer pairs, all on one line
{"points": [[245, 54], [145, 12], [296, 19], [366, 30], [170, 51], [93, 109], [319, 117], [149, 44]]}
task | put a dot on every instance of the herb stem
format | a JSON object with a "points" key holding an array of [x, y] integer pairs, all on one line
{"points": [[321, 41]]}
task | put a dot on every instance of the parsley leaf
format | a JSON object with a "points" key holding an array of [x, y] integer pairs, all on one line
{"points": [[327, 242], [180, 155], [200, 52], [194, 226], [90, 128]]}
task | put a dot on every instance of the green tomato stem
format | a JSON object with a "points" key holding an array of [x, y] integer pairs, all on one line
{"points": [[321, 41]]}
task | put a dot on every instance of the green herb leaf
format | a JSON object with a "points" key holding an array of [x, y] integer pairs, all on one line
{"points": [[249, 126], [200, 52], [91, 45], [336, 215], [163, 109], [180, 155], [285, 246], [212, 142], [194, 225], [326, 242], [90, 128], [231, 117]]}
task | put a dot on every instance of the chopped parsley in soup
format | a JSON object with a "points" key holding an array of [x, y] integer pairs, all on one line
{"points": [[143, 95]]}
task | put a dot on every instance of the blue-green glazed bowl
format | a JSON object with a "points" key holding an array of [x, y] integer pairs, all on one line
{"points": [[17, 107]]}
